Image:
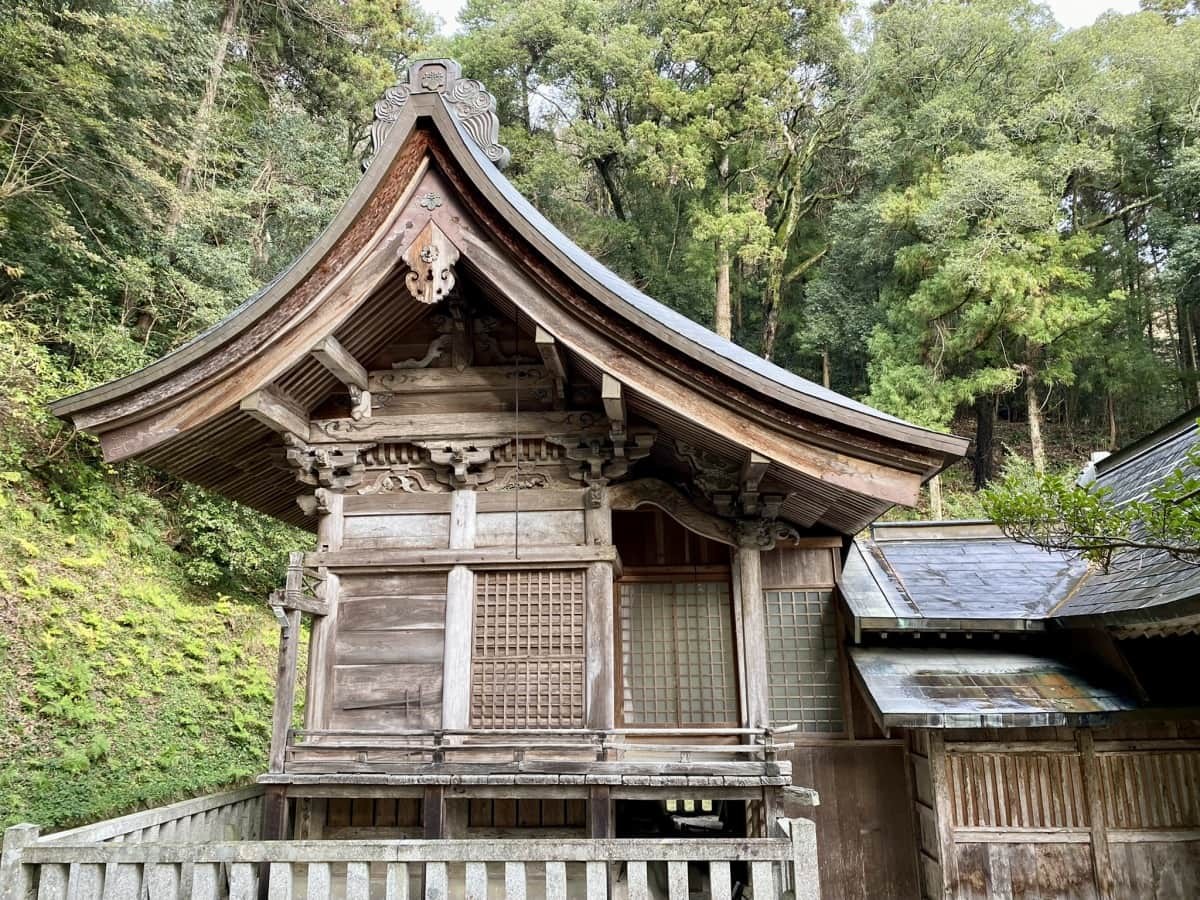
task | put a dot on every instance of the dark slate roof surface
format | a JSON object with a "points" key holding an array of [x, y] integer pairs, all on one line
{"points": [[947, 575], [967, 575], [920, 688], [1140, 579]]}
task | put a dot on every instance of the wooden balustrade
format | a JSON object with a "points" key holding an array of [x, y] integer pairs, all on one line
{"points": [[515, 869], [753, 751]]}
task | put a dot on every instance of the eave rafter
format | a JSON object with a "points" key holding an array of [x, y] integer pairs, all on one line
{"points": [[349, 371]]}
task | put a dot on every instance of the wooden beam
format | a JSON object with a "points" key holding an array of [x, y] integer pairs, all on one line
{"points": [[452, 426], [476, 379], [337, 359], [614, 401], [562, 555], [290, 600], [277, 411], [550, 353]]}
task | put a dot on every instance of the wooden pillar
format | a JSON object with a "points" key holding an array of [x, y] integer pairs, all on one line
{"points": [[324, 628], [460, 601], [285, 689], [598, 634], [311, 813], [747, 574], [433, 813], [1092, 789], [275, 813], [601, 822], [597, 521], [942, 802], [456, 649], [462, 520]]}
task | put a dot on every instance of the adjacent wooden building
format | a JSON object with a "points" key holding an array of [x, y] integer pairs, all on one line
{"points": [[578, 579]]}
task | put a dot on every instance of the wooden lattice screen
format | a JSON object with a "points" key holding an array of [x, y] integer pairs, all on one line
{"points": [[528, 661], [677, 654], [802, 656]]}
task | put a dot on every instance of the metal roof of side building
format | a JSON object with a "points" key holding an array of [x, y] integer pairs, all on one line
{"points": [[967, 576], [921, 688], [953, 576]]}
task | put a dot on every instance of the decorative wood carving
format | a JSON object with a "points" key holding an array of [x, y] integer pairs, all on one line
{"points": [[764, 534], [402, 479], [653, 492], [732, 489], [490, 351], [316, 503], [437, 349], [468, 101], [431, 259]]}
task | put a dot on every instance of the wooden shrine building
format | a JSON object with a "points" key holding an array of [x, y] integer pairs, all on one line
{"points": [[577, 592]]}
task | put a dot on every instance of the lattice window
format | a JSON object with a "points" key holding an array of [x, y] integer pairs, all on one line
{"points": [[677, 654], [805, 679], [528, 661]]}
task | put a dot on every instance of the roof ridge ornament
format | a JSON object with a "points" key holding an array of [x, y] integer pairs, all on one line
{"points": [[468, 101]]}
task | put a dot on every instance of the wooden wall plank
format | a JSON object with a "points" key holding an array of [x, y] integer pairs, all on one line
{"points": [[866, 843]]}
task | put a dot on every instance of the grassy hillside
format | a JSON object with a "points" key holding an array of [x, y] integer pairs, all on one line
{"points": [[121, 684], [136, 653]]}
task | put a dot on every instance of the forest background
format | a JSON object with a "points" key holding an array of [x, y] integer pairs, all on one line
{"points": [[959, 212]]}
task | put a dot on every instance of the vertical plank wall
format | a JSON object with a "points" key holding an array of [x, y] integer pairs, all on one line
{"points": [[866, 844], [1054, 813]]}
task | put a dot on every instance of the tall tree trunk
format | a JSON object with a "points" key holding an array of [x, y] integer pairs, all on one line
{"points": [[1112, 422], [722, 311], [777, 279], [260, 238], [1192, 338], [203, 120], [826, 378], [985, 426], [610, 188], [772, 301], [1034, 406]]}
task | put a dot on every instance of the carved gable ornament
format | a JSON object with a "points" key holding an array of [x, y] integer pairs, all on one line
{"points": [[468, 101], [431, 258]]}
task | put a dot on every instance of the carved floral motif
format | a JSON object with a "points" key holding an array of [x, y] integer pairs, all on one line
{"points": [[402, 479]]}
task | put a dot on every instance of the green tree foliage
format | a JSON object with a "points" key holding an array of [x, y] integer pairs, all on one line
{"points": [[951, 209], [1061, 512]]}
